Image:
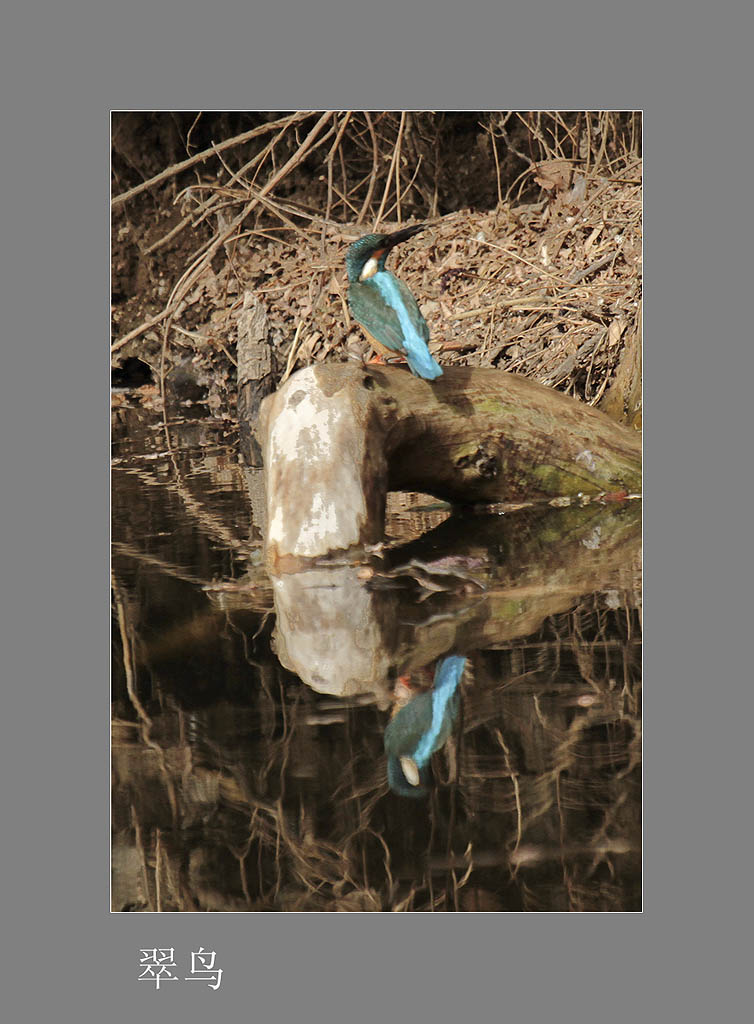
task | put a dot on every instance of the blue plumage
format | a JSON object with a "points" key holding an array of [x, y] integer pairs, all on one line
{"points": [[422, 727], [385, 307]]}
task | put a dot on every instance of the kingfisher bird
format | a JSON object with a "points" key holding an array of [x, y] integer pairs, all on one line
{"points": [[421, 727], [384, 306]]}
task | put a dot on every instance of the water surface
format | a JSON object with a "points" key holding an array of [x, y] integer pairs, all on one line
{"points": [[249, 772]]}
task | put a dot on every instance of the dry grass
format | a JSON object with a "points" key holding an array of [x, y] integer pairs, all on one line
{"points": [[541, 275]]}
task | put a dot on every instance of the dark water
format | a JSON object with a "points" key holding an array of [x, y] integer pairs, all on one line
{"points": [[249, 771]]}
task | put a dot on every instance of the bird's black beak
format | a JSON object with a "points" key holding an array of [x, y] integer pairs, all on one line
{"points": [[401, 236]]}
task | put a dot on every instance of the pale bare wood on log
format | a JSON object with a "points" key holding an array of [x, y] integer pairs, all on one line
{"points": [[336, 438]]}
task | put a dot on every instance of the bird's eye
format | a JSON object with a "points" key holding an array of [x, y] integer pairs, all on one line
{"points": [[410, 771]]}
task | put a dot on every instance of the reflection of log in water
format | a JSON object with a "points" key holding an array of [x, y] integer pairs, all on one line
{"points": [[345, 634], [348, 630], [336, 438]]}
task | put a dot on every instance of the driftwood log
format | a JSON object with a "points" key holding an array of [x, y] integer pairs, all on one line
{"points": [[336, 438]]}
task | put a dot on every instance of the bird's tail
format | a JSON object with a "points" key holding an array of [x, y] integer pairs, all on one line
{"points": [[421, 364]]}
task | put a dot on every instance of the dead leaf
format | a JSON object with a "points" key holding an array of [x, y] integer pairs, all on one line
{"points": [[311, 343], [615, 330], [592, 238], [553, 174]]}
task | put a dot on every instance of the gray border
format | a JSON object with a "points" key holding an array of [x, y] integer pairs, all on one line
{"points": [[69, 956]]}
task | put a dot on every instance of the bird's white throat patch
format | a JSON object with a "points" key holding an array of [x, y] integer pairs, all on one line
{"points": [[370, 269], [410, 770]]}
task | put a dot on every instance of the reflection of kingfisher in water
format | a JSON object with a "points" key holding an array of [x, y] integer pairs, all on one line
{"points": [[385, 307], [421, 727]]}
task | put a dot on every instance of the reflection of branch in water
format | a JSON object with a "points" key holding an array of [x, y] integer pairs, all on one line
{"points": [[167, 568], [432, 578], [128, 641], [514, 780], [127, 645], [212, 524]]}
